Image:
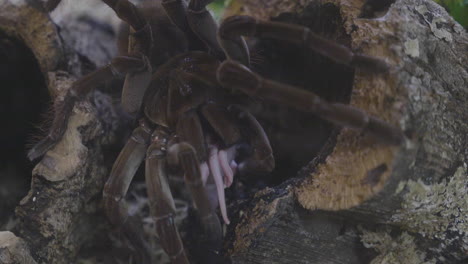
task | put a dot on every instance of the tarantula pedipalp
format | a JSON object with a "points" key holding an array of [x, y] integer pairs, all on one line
{"points": [[191, 110]]}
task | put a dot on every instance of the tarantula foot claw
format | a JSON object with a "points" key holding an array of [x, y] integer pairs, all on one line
{"points": [[369, 63]]}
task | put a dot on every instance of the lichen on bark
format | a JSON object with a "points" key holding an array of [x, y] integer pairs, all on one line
{"points": [[400, 249], [438, 210]]}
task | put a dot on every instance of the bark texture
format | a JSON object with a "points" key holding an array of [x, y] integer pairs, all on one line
{"points": [[14, 250], [62, 210], [367, 202]]}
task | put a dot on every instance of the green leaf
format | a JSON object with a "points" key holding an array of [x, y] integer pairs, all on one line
{"points": [[217, 8], [458, 9]]}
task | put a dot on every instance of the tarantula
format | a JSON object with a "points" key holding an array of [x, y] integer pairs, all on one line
{"points": [[187, 82]]}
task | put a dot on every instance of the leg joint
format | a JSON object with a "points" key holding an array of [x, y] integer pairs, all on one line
{"points": [[143, 32], [141, 134], [139, 137], [156, 152], [159, 146], [109, 193]]}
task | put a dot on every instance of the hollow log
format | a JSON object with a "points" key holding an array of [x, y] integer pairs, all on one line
{"points": [[360, 201], [356, 201], [62, 210]]}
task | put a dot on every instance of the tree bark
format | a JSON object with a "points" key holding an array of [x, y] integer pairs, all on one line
{"points": [[365, 201], [62, 211]]}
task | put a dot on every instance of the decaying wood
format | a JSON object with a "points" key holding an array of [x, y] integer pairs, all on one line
{"points": [[386, 204], [357, 201], [61, 212], [38, 33], [14, 250]]}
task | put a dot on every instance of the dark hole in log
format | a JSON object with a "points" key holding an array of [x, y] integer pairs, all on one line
{"points": [[297, 137], [375, 8], [24, 97]]}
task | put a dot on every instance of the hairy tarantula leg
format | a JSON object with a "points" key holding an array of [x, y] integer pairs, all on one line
{"points": [[205, 27], [128, 12], [248, 26], [118, 66], [117, 185], [188, 159], [236, 76], [131, 15], [176, 10], [189, 129], [162, 205]]}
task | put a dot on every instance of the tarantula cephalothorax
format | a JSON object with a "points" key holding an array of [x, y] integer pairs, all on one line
{"points": [[186, 81]]}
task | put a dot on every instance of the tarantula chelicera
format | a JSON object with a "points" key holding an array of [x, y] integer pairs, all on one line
{"points": [[187, 82]]}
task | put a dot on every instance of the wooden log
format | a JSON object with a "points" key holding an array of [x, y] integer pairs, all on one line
{"points": [[369, 202], [62, 211], [357, 201], [14, 250]]}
